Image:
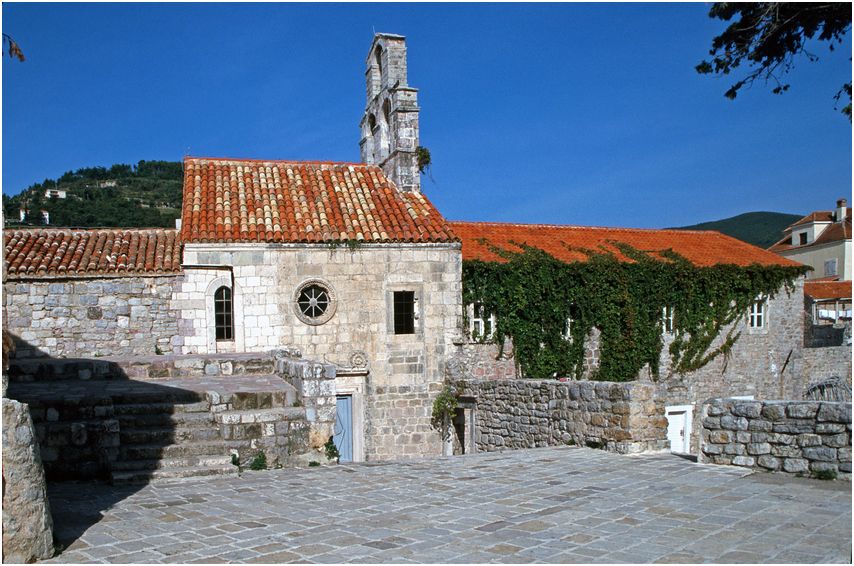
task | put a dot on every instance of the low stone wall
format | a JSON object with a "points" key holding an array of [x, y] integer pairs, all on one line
{"points": [[521, 413], [315, 385], [91, 317], [788, 436], [27, 522]]}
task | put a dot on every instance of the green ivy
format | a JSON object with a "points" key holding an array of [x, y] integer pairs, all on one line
{"points": [[444, 405], [533, 294]]}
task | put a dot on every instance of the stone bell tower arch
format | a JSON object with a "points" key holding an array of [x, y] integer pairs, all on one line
{"points": [[390, 124]]}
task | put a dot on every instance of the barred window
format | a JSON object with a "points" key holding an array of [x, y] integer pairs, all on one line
{"points": [[404, 312], [223, 314], [667, 319]]}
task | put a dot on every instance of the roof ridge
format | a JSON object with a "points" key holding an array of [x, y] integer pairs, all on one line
{"points": [[577, 226], [295, 161]]}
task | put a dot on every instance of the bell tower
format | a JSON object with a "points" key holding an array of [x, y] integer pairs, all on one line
{"points": [[390, 123]]}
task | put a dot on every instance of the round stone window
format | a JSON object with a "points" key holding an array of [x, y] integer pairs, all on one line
{"points": [[314, 302]]}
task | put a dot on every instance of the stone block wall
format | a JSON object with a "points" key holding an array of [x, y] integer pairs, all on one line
{"points": [[315, 385], [785, 436], [91, 317], [521, 413], [820, 364], [477, 360], [27, 522], [265, 279], [764, 363], [399, 417]]}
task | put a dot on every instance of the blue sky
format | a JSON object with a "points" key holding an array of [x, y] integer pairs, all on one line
{"points": [[574, 114]]}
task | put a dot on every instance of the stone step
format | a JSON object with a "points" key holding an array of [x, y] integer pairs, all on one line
{"points": [[186, 420], [144, 476], [155, 451], [168, 434], [203, 461], [149, 408], [157, 396], [250, 416]]}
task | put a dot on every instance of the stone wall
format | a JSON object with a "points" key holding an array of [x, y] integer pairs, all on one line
{"points": [[265, 280], [482, 361], [27, 522], [820, 364], [764, 363], [788, 436], [315, 385], [91, 317], [521, 413]]}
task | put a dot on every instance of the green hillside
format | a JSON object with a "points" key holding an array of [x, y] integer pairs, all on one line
{"points": [[125, 196], [758, 228]]}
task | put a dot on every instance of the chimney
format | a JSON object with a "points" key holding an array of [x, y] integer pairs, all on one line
{"points": [[841, 209]]}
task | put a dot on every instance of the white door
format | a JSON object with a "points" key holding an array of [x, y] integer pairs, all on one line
{"points": [[679, 428]]}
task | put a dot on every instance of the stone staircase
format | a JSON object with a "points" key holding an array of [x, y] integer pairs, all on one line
{"points": [[169, 440], [139, 419]]}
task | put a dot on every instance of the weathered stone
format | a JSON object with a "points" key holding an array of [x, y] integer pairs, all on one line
{"points": [[774, 412], [746, 461], [835, 412], [730, 422], [820, 454], [809, 440], [802, 410], [27, 522], [750, 409], [795, 465], [768, 462], [758, 448]]}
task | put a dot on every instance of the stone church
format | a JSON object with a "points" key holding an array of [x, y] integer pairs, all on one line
{"points": [[348, 263]]}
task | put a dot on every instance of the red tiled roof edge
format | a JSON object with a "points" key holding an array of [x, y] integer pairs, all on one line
{"points": [[701, 247], [826, 290], [37, 253], [278, 201]]}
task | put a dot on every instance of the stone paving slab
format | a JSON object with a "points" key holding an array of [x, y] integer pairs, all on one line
{"points": [[555, 505]]}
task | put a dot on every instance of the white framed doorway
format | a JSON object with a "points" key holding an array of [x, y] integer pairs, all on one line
{"points": [[679, 422]]}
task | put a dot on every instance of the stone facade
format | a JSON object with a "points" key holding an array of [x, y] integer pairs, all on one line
{"points": [[820, 364], [403, 368], [767, 362], [620, 417], [27, 522], [781, 436], [91, 317]]}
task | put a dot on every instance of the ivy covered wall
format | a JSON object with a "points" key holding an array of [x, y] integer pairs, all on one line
{"points": [[549, 309]]}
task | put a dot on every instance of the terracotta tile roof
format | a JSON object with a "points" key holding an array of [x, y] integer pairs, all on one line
{"points": [[228, 200], [836, 232], [703, 248], [824, 290], [53, 252]]}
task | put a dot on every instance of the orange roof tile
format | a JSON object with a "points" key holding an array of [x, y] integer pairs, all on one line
{"points": [[231, 200], [702, 248], [53, 252], [824, 290]]}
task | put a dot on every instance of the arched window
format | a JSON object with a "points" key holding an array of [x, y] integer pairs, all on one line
{"points": [[372, 122], [223, 314], [387, 112], [378, 55]]}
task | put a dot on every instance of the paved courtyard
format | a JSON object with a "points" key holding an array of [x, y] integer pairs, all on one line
{"points": [[546, 505]]}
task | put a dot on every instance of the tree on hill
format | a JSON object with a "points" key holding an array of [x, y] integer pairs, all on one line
{"points": [[769, 36]]}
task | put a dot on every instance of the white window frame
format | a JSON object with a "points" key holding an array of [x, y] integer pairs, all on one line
{"points": [[757, 314], [831, 262], [477, 324], [667, 325]]}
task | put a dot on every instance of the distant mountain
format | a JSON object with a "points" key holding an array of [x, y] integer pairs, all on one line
{"points": [[124, 196], [758, 228]]}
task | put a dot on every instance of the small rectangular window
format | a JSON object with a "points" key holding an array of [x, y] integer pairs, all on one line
{"points": [[667, 319], [802, 239], [480, 325], [404, 312], [757, 314], [830, 267]]}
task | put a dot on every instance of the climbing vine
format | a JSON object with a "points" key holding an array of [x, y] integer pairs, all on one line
{"points": [[533, 294]]}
